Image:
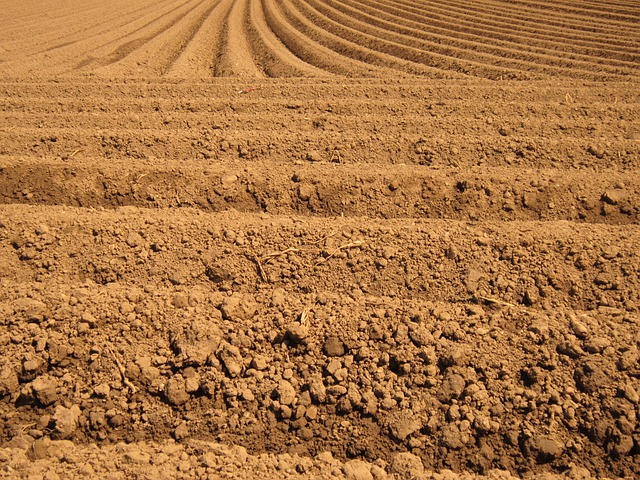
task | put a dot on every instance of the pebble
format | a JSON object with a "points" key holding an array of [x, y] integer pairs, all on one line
{"points": [[65, 421], [544, 448], [231, 358], [259, 362], [451, 388], [420, 335], [333, 347], [631, 394], [614, 196], [45, 390], [597, 344], [8, 381], [589, 377], [297, 333], [579, 329], [357, 470], [134, 239], [285, 393], [238, 307], [102, 390], [407, 465], [317, 390], [181, 432], [403, 424], [314, 156], [180, 300], [137, 457], [175, 391], [306, 191]]}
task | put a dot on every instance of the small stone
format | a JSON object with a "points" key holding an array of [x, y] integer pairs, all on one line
{"points": [[39, 449], [285, 392], [407, 465], [544, 449], [570, 348], [134, 239], [175, 391], [403, 424], [318, 391], [451, 437], [178, 278], [8, 381], [420, 335], [247, 395], [623, 446], [614, 196], [231, 358], [333, 347], [596, 151], [631, 394], [137, 457], [579, 329], [192, 384], [451, 388], [180, 300], [629, 359], [589, 377], [42, 229], [597, 344], [357, 470], [238, 307], [65, 421], [102, 390], [181, 432], [297, 333], [45, 390], [228, 179], [217, 274], [314, 156], [51, 475], [259, 362], [306, 191]]}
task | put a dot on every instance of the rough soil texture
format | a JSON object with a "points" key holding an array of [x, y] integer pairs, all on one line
{"points": [[363, 239]]}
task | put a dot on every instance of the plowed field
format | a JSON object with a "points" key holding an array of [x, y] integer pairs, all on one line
{"points": [[359, 239]]}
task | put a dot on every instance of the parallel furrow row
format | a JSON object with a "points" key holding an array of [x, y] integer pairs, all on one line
{"points": [[307, 38]]}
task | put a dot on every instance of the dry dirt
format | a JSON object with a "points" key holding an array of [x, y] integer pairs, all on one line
{"points": [[363, 239]]}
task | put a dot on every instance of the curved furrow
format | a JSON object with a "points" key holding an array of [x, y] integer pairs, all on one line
{"points": [[119, 43], [348, 47], [587, 9], [590, 25], [19, 28], [422, 25], [432, 55], [276, 60], [197, 59], [447, 46], [530, 22], [77, 30], [492, 25], [107, 46], [236, 58], [22, 21], [158, 50], [309, 50]]}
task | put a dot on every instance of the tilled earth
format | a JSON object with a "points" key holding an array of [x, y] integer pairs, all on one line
{"points": [[390, 266]]}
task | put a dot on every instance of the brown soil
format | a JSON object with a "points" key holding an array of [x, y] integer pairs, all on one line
{"points": [[358, 239]]}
